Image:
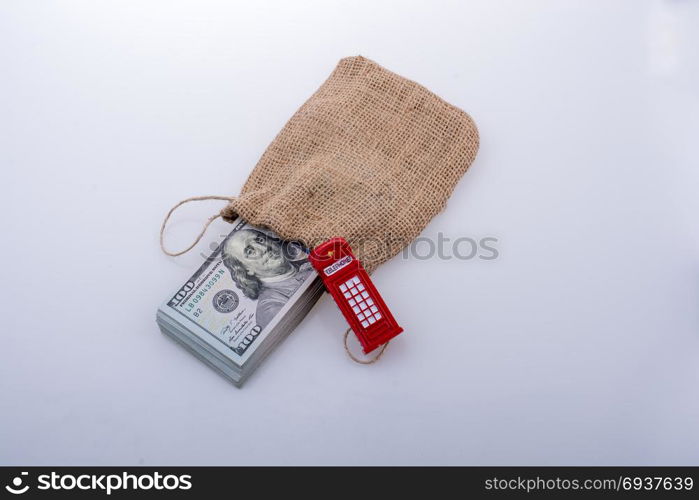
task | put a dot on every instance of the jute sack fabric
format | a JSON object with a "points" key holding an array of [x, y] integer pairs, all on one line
{"points": [[371, 157]]}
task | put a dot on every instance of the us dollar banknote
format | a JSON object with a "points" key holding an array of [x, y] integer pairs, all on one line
{"points": [[250, 292]]}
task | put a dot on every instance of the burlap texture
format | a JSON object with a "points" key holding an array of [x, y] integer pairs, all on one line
{"points": [[371, 157]]}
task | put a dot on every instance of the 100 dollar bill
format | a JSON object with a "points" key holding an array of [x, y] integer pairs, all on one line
{"points": [[242, 291]]}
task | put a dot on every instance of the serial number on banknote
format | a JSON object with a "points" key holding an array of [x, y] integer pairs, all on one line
{"points": [[203, 290]]}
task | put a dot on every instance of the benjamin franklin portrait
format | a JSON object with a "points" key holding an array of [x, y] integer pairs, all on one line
{"points": [[265, 269]]}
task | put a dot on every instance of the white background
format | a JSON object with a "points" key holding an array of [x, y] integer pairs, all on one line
{"points": [[578, 345]]}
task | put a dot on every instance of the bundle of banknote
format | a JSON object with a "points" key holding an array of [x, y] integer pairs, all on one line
{"points": [[246, 297]]}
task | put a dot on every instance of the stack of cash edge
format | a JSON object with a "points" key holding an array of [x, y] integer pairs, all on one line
{"points": [[244, 300]]}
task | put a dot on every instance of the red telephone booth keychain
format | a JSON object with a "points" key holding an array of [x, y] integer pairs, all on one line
{"points": [[356, 296]]}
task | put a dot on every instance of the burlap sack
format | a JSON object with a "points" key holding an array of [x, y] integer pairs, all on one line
{"points": [[371, 157]]}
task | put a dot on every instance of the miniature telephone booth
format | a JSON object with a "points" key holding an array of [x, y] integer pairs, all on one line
{"points": [[355, 294]]}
